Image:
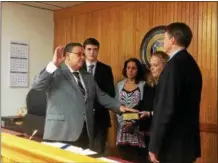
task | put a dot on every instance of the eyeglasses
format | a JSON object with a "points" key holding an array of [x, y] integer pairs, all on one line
{"points": [[78, 54]]}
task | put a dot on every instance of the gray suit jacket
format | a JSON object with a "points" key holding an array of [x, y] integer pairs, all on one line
{"points": [[66, 107]]}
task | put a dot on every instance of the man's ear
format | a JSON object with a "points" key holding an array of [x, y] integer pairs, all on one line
{"points": [[172, 40], [67, 54]]}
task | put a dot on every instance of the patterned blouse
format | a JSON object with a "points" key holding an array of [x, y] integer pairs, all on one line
{"points": [[135, 138], [130, 98]]}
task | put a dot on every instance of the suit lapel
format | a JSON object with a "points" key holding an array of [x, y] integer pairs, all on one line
{"points": [[67, 74], [97, 69], [84, 67]]}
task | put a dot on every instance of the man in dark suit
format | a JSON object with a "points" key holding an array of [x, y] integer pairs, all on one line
{"points": [[70, 96], [175, 136], [104, 78]]}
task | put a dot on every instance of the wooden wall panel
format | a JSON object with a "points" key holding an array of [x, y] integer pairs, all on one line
{"points": [[94, 25], [209, 149], [120, 28]]}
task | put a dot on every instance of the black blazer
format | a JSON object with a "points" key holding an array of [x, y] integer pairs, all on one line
{"points": [[146, 104], [175, 133], [104, 78]]}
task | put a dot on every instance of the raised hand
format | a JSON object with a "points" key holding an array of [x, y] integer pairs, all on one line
{"points": [[58, 55]]}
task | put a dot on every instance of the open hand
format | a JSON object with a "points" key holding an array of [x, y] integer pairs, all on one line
{"points": [[58, 57], [124, 109]]}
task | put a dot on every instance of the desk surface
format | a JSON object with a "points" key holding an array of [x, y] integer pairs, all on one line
{"points": [[19, 134]]}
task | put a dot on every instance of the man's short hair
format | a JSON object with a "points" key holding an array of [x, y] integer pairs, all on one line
{"points": [[91, 41], [181, 32], [69, 47]]}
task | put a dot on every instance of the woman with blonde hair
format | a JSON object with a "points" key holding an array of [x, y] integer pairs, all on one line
{"points": [[157, 62]]}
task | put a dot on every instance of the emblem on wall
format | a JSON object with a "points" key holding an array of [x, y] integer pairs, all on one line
{"points": [[153, 41]]}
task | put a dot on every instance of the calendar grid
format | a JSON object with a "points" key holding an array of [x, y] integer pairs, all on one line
{"points": [[19, 64]]}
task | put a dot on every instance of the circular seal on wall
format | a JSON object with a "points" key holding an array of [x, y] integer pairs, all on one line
{"points": [[152, 42]]}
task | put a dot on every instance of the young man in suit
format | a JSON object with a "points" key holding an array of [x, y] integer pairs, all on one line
{"points": [[175, 136], [104, 78], [70, 96]]}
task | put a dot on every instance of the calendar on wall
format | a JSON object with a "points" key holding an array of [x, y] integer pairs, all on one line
{"points": [[19, 62]]}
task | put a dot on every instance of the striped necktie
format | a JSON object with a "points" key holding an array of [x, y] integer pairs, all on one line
{"points": [[90, 69], [76, 74]]}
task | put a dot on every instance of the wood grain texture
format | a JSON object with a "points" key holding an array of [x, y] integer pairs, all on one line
{"points": [[209, 128], [84, 8], [120, 28], [21, 150]]}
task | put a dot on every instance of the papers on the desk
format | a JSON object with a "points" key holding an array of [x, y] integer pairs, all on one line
{"points": [[88, 152], [71, 148], [107, 160], [78, 150], [55, 144], [81, 151]]}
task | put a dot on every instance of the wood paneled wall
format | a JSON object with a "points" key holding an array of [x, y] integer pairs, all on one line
{"points": [[120, 28]]}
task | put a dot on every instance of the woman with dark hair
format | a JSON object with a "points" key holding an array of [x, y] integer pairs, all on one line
{"points": [[130, 140]]}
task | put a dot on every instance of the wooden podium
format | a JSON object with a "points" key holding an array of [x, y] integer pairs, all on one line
{"points": [[22, 150]]}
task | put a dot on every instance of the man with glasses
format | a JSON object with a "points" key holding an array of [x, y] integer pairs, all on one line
{"points": [[71, 92]]}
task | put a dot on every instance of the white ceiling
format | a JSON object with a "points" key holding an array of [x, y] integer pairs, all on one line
{"points": [[49, 5]]}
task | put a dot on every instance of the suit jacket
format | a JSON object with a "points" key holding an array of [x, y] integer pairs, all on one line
{"points": [[146, 104], [66, 107], [104, 78], [175, 127]]}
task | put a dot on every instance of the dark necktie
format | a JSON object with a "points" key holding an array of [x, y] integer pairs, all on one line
{"points": [[90, 70], [76, 74]]}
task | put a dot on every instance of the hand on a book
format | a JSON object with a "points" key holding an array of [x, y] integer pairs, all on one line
{"points": [[124, 109]]}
